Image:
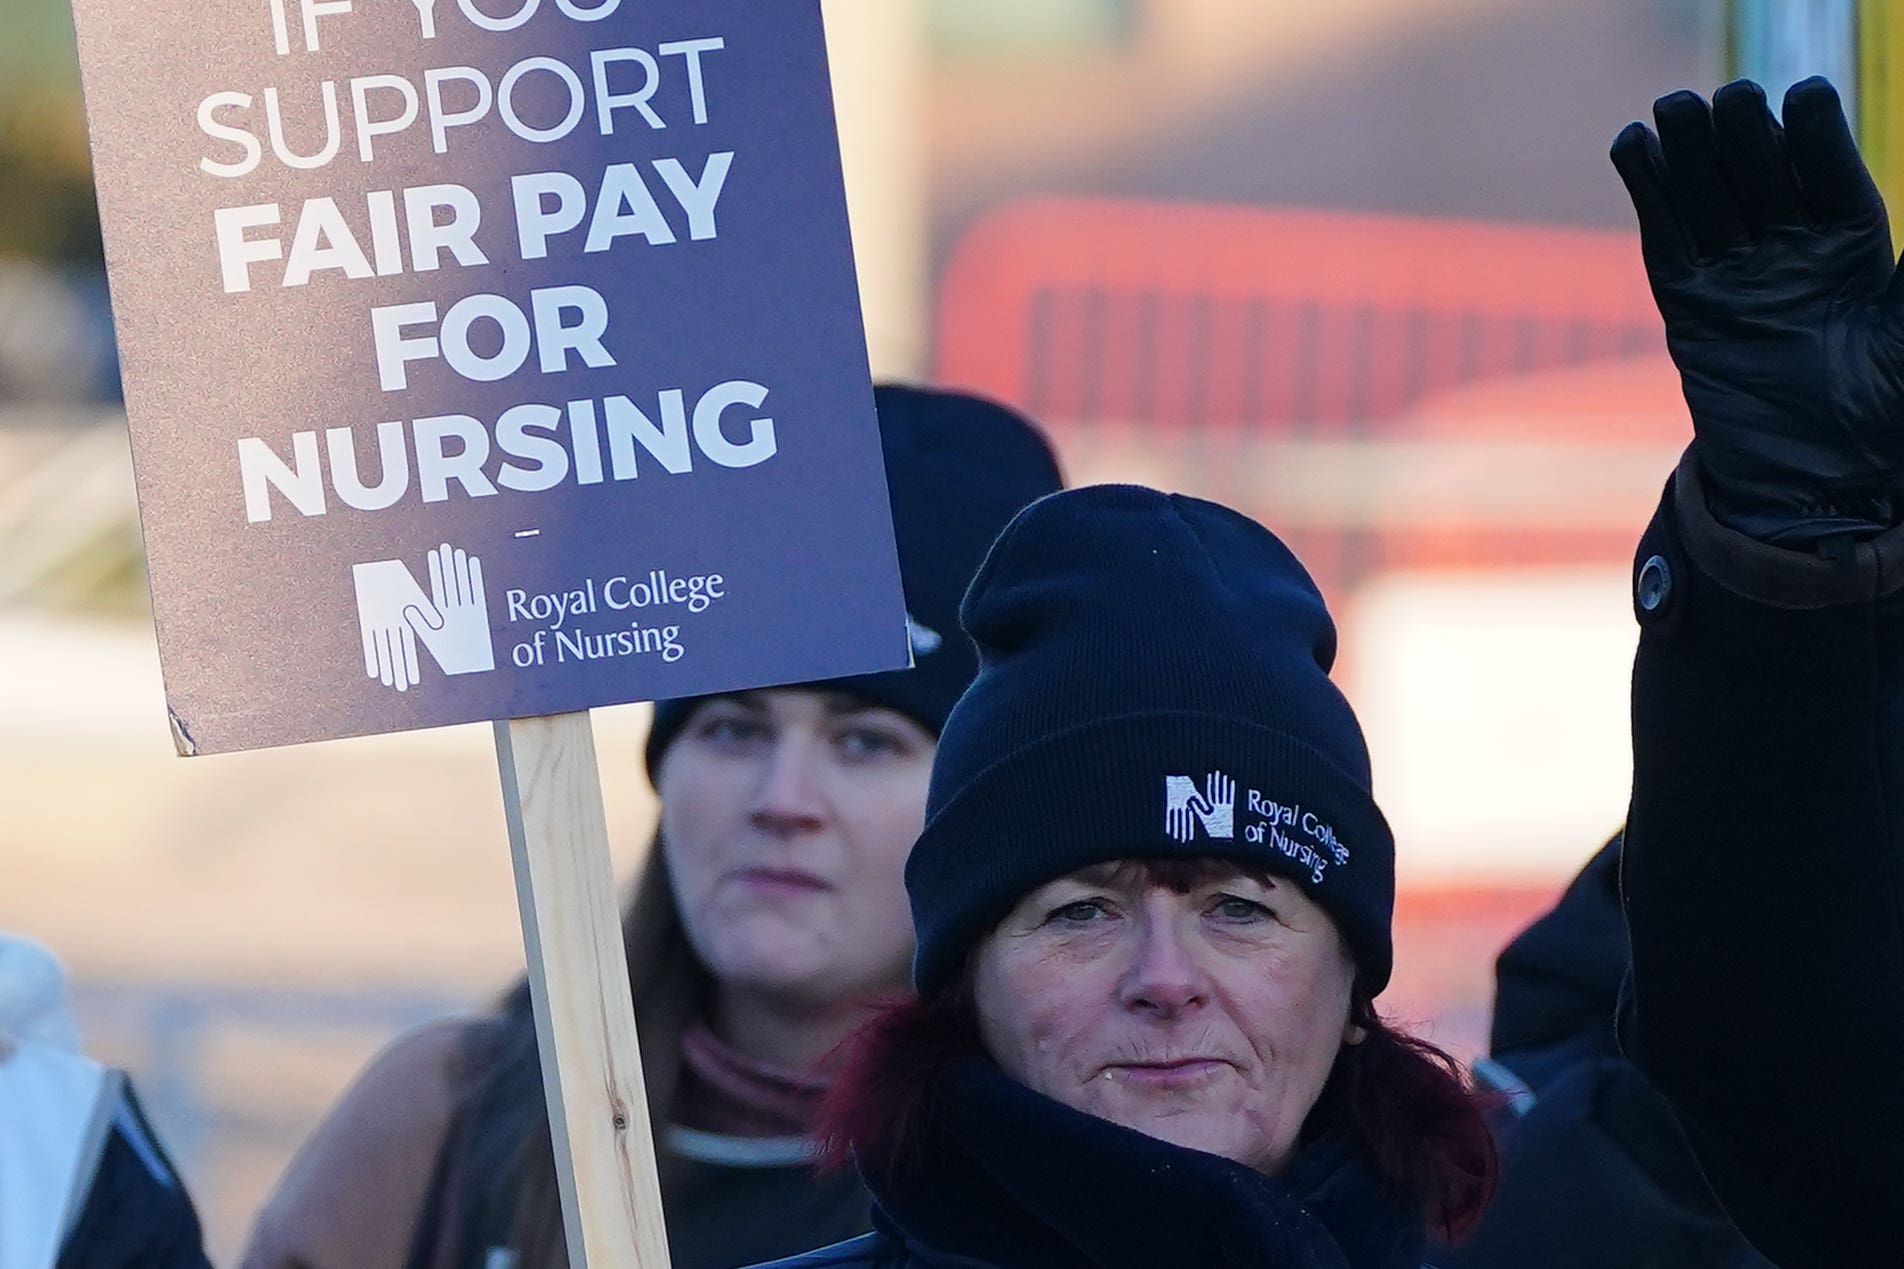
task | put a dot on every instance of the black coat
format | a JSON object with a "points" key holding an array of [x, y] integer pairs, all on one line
{"points": [[1763, 877], [1009, 1179], [1595, 1173]]}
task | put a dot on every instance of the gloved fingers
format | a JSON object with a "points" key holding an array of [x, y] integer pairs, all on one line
{"points": [[1752, 148], [1663, 240], [1838, 187], [1708, 206]]}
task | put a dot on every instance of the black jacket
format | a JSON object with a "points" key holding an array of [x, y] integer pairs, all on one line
{"points": [[1008, 1179], [725, 1210], [137, 1214], [1763, 876], [1595, 1173]]}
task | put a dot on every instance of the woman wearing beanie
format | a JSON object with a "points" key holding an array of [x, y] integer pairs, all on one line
{"points": [[1153, 894], [1152, 898], [771, 914]]}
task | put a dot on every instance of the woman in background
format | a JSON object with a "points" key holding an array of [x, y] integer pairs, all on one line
{"points": [[769, 916]]}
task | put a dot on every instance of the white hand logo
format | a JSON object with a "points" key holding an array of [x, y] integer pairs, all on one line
{"points": [[384, 588], [1220, 792], [455, 627], [452, 621], [1214, 807]]}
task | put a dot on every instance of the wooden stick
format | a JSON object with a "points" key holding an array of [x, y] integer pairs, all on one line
{"points": [[578, 980]]}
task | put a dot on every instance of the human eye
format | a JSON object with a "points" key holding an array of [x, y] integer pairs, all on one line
{"points": [[730, 729], [864, 743], [1078, 912], [1236, 908]]}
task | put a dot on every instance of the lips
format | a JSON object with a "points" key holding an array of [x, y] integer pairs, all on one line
{"points": [[781, 880], [1167, 1072]]}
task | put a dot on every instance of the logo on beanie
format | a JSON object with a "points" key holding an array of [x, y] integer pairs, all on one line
{"points": [[1301, 835], [1213, 806]]}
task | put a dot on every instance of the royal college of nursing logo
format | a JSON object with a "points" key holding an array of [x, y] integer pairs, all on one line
{"points": [[1213, 806], [394, 615]]}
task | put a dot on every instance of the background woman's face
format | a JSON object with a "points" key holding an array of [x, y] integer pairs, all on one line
{"points": [[1208, 1019], [786, 815]]}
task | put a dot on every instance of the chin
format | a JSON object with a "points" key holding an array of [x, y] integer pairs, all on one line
{"points": [[775, 958], [1209, 1131]]}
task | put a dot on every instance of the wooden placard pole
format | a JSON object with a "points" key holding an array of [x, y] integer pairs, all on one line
{"points": [[584, 1013]]}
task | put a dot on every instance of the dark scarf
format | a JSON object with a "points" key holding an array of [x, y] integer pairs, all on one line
{"points": [[1010, 1178]]}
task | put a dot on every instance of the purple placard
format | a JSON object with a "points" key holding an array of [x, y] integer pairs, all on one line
{"points": [[486, 358]]}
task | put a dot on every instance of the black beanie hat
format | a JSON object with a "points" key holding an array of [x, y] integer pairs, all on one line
{"points": [[958, 467], [1153, 683]]}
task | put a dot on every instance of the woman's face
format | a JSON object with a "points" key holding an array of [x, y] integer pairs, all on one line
{"points": [[1209, 1018], [786, 815]]}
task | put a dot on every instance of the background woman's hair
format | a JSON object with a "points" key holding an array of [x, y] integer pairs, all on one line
{"points": [[496, 1178], [1404, 1102]]}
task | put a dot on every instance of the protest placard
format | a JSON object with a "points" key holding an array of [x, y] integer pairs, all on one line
{"points": [[486, 359], [494, 359]]}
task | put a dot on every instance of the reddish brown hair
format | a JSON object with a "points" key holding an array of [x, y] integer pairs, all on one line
{"points": [[1403, 1101]]}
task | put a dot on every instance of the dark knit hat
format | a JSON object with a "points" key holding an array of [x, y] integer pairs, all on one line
{"points": [[1153, 683], [958, 467]]}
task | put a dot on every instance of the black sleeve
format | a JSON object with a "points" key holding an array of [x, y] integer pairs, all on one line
{"points": [[137, 1214], [1763, 876]]}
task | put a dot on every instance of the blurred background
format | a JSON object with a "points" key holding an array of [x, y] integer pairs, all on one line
{"points": [[1357, 266]]}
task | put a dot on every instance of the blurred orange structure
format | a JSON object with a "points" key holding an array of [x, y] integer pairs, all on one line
{"points": [[1178, 315], [1234, 339]]}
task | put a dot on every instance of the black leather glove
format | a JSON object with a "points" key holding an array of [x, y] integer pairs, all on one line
{"points": [[1770, 257]]}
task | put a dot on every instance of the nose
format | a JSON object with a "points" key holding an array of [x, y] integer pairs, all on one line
{"points": [[787, 799], [1164, 979]]}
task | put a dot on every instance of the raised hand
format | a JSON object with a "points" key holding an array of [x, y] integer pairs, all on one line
{"points": [[1770, 257], [454, 625], [1219, 791]]}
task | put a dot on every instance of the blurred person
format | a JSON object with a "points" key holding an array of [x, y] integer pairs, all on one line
{"points": [[1595, 1173], [1764, 948], [84, 1183], [1153, 898], [1767, 924], [770, 913]]}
